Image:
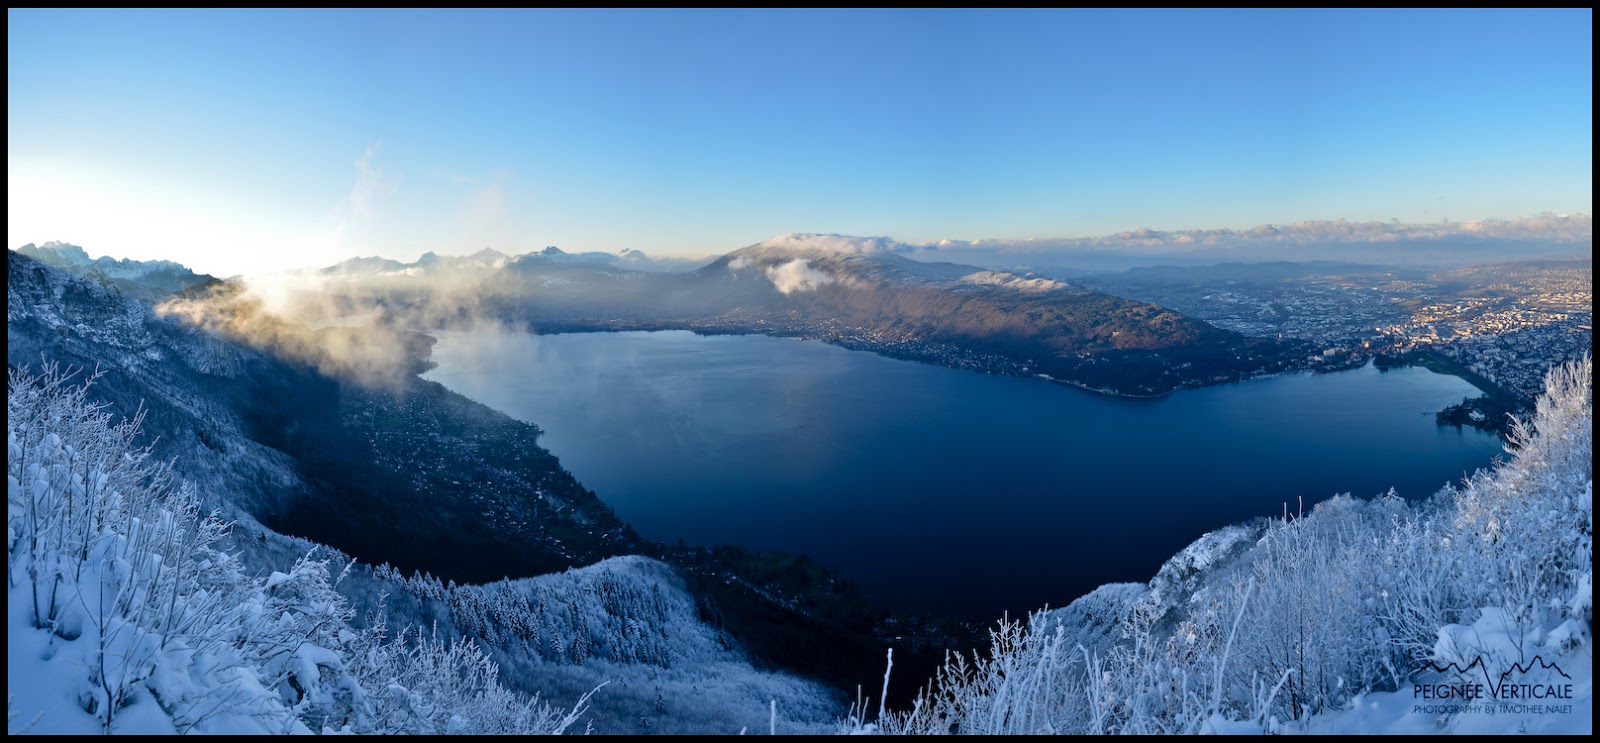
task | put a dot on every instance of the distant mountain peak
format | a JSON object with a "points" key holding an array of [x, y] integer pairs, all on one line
{"points": [[364, 264], [148, 280], [57, 253], [487, 258]]}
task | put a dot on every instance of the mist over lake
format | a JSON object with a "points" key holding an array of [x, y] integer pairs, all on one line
{"points": [[940, 489]]}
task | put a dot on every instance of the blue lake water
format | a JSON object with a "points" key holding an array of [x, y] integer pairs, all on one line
{"points": [[940, 489]]}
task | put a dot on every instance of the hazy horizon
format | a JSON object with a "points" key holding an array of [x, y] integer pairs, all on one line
{"points": [[1542, 236]]}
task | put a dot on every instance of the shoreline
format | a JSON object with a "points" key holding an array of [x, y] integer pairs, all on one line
{"points": [[1020, 370], [1114, 393]]}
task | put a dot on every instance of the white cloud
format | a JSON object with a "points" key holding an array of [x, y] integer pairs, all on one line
{"points": [[836, 244], [370, 185], [797, 276], [1560, 229]]}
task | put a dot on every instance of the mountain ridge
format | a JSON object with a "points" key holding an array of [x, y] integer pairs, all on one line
{"points": [[856, 292], [148, 280]]}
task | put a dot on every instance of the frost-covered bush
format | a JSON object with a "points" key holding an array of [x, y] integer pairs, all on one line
{"points": [[568, 619], [1526, 532], [1030, 683], [118, 560], [428, 686], [115, 561], [1313, 619]]}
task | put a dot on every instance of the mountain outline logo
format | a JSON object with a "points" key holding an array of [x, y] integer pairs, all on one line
{"points": [[1523, 691]]}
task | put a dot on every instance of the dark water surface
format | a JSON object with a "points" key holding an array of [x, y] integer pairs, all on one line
{"points": [[940, 489]]}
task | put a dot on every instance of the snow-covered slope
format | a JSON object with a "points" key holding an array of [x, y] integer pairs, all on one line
{"points": [[632, 621], [182, 378], [127, 615]]}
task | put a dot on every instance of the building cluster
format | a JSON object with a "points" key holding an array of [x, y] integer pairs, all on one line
{"points": [[495, 465], [1509, 337], [1506, 324]]}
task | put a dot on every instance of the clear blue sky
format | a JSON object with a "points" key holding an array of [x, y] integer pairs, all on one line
{"points": [[243, 140]]}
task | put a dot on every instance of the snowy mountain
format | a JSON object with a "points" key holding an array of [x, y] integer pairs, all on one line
{"points": [[863, 293], [489, 260], [148, 280], [368, 266], [638, 261], [857, 292]]}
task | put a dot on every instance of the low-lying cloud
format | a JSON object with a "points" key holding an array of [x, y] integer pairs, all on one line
{"points": [[375, 355], [355, 328], [836, 244], [797, 275]]}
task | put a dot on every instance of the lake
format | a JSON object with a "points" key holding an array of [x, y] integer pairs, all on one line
{"points": [[946, 490]]}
